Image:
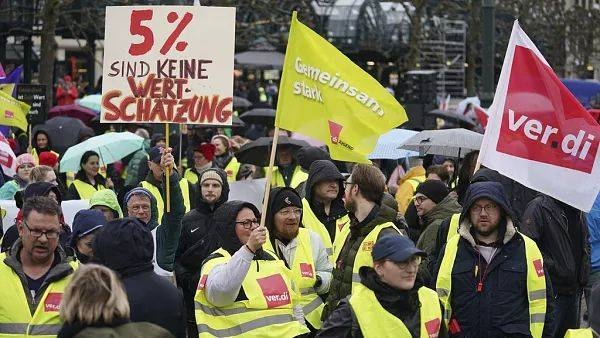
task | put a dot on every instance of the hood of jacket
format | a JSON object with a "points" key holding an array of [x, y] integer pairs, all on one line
{"points": [[446, 208], [107, 198], [413, 172], [224, 222], [201, 205], [124, 245], [495, 192], [320, 171], [153, 209]]}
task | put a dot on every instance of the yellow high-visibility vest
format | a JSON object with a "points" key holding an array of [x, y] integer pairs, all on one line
{"points": [[160, 204], [86, 190], [415, 181], [232, 169], [536, 283], [191, 176], [311, 221], [453, 228], [579, 333], [375, 322], [363, 256], [298, 176], [267, 311], [16, 319]]}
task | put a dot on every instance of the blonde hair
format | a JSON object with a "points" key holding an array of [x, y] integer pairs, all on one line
{"points": [[38, 173], [94, 295]]}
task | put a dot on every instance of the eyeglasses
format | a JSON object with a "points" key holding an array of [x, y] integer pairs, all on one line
{"points": [[420, 199], [347, 183], [38, 233], [290, 212], [488, 208], [413, 261], [247, 224]]}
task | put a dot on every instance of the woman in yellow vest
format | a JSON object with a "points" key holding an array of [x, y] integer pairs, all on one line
{"points": [[389, 302], [88, 179], [245, 291], [41, 143], [302, 251]]}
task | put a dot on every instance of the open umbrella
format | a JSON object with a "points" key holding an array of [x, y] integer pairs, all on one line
{"points": [[91, 102], [264, 116], [110, 146], [446, 142], [258, 152], [72, 110], [63, 131], [458, 119], [388, 143], [240, 102]]}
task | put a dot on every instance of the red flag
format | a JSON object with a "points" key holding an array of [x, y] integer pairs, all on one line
{"points": [[538, 133], [482, 116], [8, 160]]}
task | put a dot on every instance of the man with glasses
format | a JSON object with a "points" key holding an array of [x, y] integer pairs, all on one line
{"points": [[389, 301], [368, 222], [34, 273], [302, 251], [491, 279]]}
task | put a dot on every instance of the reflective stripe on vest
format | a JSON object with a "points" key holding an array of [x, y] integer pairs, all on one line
{"points": [[453, 228], [160, 204], [536, 283], [305, 276], [15, 317], [579, 333], [191, 176], [298, 176], [232, 169], [374, 321], [363, 256], [310, 221], [267, 311], [86, 190]]}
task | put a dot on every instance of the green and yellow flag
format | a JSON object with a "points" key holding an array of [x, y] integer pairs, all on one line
{"points": [[13, 112], [326, 96]]}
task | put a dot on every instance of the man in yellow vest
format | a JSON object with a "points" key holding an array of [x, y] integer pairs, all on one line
{"points": [[491, 279], [363, 194], [385, 303], [34, 273], [323, 205], [154, 183], [302, 251], [287, 173]]}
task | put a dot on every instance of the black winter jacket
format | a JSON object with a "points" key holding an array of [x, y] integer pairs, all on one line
{"points": [[341, 284], [126, 246], [567, 259]]}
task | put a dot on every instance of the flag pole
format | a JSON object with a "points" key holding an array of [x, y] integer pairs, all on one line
{"points": [[268, 177], [167, 175]]}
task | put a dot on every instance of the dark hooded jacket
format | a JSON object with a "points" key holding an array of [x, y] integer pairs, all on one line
{"points": [[193, 244], [562, 235], [403, 305], [501, 309], [126, 246], [341, 284], [320, 171]]}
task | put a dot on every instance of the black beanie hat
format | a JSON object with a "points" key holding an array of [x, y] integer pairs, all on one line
{"points": [[434, 190], [285, 198]]}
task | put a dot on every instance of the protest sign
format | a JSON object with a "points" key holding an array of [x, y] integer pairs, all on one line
{"points": [[324, 95], [168, 64], [35, 96], [538, 133]]}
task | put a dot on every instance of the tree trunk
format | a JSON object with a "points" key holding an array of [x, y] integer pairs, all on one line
{"points": [[473, 46], [48, 46]]}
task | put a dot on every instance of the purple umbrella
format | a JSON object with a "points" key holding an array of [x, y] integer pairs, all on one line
{"points": [[73, 110]]}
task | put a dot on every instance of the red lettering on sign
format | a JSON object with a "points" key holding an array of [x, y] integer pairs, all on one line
{"points": [[52, 302], [306, 270], [274, 290], [136, 28]]}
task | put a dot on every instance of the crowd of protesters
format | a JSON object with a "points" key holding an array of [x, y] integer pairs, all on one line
{"points": [[417, 247]]}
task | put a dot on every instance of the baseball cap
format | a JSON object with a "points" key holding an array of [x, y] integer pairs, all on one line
{"points": [[395, 248], [85, 222]]}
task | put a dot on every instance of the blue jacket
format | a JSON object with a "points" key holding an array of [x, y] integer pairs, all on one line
{"points": [[501, 309], [593, 220]]}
